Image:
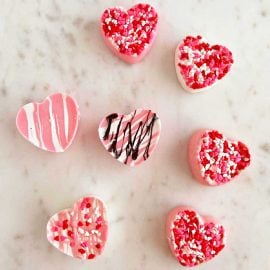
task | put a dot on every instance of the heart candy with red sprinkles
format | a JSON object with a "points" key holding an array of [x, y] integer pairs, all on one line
{"points": [[200, 65], [80, 232], [193, 239], [130, 33], [215, 159]]}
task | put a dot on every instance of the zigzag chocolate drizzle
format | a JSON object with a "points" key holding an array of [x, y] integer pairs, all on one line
{"points": [[134, 138]]}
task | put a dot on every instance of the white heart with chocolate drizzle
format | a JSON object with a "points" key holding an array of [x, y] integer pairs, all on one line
{"points": [[131, 138]]}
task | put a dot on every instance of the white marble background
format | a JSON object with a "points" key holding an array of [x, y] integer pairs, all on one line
{"points": [[55, 45]]}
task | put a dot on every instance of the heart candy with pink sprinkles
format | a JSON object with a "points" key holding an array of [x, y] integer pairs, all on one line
{"points": [[130, 33], [200, 65], [214, 159], [80, 232], [193, 239]]}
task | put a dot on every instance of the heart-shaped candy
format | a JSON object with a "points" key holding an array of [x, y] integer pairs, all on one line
{"points": [[193, 239], [80, 232], [130, 138], [50, 125], [199, 65], [130, 34], [214, 159]]}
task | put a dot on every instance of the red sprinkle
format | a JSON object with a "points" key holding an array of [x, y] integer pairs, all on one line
{"points": [[82, 251], [88, 205], [80, 224], [56, 238], [65, 224], [70, 234], [98, 226], [131, 30], [221, 159], [194, 241], [91, 256], [201, 64]]}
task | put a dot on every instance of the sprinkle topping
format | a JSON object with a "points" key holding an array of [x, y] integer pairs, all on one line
{"points": [[193, 240], [130, 31], [221, 159], [201, 64]]}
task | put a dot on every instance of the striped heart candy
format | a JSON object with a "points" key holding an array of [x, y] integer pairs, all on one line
{"points": [[130, 138], [50, 125]]}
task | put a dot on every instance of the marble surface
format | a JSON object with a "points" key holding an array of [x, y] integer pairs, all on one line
{"points": [[55, 45]]}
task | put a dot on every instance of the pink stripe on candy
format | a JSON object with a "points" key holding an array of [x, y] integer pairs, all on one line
{"points": [[58, 114], [22, 118], [72, 110]]}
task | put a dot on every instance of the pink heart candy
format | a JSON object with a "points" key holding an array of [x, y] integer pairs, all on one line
{"points": [[50, 125], [199, 65], [214, 159], [193, 239], [130, 34], [131, 138], [80, 232]]}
